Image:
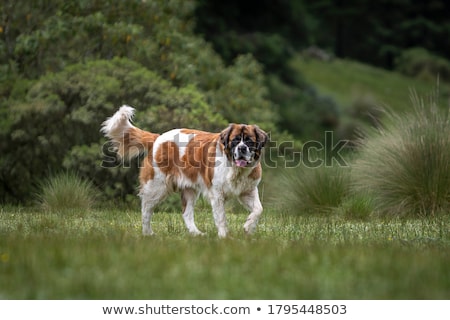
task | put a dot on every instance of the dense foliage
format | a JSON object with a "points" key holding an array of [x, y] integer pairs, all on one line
{"points": [[67, 65], [56, 125], [374, 32]]}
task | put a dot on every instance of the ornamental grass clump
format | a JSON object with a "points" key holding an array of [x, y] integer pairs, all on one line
{"points": [[66, 191], [405, 165], [315, 190]]}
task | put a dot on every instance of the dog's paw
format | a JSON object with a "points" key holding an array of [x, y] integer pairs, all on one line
{"points": [[197, 233], [222, 234], [147, 232], [249, 227]]}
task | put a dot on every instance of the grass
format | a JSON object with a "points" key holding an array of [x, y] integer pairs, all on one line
{"points": [[66, 191], [405, 165], [356, 205], [102, 255], [348, 82], [310, 190]]}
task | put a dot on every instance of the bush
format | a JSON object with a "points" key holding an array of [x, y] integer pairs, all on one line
{"points": [[141, 53], [405, 166], [56, 126], [303, 111], [66, 191], [242, 97], [314, 190], [418, 62], [157, 34]]}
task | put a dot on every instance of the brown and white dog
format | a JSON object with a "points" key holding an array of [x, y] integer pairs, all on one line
{"points": [[193, 162]]}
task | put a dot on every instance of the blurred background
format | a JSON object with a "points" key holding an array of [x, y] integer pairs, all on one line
{"points": [[295, 68]]}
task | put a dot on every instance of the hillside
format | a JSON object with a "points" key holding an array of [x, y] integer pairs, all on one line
{"points": [[349, 81]]}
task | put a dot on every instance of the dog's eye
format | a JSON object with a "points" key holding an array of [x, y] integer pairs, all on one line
{"points": [[235, 141], [249, 142]]}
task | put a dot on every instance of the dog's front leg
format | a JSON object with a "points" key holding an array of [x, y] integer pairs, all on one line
{"points": [[251, 201], [218, 206]]}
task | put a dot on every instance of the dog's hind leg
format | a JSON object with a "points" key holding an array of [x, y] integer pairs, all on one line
{"points": [[251, 201], [151, 195], [188, 198]]}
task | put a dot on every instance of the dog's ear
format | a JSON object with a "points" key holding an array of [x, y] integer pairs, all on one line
{"points": [[261, 137], [225, 135]]}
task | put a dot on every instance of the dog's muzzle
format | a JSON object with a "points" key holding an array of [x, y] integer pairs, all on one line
{"points": [[242, 155]]}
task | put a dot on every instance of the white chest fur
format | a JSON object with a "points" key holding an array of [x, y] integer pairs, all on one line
{"points": [[232, 180]]}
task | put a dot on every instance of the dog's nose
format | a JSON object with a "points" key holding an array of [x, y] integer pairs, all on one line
{"points": [[243, 148]]}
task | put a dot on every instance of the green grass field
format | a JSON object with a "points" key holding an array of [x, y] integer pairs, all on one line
{"points": [[101, 254], [348, 252]]}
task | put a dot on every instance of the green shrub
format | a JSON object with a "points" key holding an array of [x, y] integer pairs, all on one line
{"points": [[243, 97], [314, 190], [405, 165], [56, 125], [418, 62], [157, 34], [66, 191], [72, 64]]}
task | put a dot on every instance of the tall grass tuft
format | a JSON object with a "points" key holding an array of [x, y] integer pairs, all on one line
{"points": [[314, 190], [405, 165], [66, 191], [356, 206]]}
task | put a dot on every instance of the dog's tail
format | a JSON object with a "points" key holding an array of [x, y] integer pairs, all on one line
{"points": [[128, 140]]}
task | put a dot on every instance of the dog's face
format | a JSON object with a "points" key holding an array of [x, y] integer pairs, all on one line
{"points": [[243, 144]]}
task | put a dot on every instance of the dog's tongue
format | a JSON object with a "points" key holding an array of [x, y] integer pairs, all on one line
{"points": [[240, 163]]}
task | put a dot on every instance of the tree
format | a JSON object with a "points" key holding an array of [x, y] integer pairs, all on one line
{"points": [[158, 34], [56, 126], [66, 66]]}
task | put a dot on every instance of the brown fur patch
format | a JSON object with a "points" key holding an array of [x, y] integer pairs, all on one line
{"points": [[147, 171], [256, 172], [200, 156], [242, 130], [136, 141], [167, 158], [193, 131]]}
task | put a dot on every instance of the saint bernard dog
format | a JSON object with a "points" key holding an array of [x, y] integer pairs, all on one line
{"points": [[193, 162]]}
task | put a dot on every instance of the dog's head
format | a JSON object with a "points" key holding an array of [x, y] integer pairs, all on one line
{"points": [[243, 144]]}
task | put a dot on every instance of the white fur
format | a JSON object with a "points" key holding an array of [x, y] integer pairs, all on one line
{"points": [[115, 126], [175, 135]]}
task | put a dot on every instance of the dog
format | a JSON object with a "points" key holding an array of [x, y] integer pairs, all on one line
{"points": [[193, 162]]}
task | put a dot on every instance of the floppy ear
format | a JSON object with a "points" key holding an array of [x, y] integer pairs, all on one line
{"points": [[225, 135], [261, 137]]}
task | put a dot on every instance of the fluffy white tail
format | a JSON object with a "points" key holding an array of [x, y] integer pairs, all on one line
{"points": [[128, 140]]}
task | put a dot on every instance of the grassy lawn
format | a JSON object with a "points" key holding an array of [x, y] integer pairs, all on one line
{"points": [[101, 254]]}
